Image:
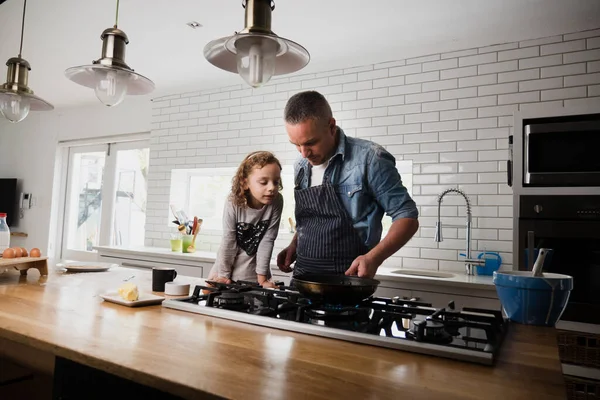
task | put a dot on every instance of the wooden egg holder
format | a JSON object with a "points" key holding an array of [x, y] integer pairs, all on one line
{"points": [[23, 264]]}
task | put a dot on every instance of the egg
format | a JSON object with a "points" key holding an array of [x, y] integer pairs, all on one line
{"points": [[24, 250], [35, 252], [8, 253], [18, 251]]}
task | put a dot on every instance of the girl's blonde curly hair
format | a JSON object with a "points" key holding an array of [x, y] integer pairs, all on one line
{"points": [[259, 159]]}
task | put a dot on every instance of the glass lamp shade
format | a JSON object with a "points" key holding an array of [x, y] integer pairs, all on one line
{"points": [[14, 107], [110, 83], [16, 98], [256, 56]]}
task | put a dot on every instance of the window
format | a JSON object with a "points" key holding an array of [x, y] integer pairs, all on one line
{"points": [[202, 192], [130, 197], [84, 198], [105, 201]]}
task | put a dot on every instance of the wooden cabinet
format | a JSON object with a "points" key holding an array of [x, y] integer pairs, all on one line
{"points": [[78, 381]]}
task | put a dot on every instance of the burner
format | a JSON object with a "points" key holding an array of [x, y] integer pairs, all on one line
{"points": [[340, 317], [348, 320], [230, 300], [429, 330], [332, 312]]}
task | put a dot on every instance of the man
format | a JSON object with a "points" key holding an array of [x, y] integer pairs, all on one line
{"points": [[343, 185]]}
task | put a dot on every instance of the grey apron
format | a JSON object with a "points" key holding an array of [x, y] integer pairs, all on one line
{"points": [[327, 240]]}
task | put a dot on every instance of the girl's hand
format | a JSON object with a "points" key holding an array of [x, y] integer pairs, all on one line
{"points": [[220, 279], [268, 285], [264, 282], [215, 278]]}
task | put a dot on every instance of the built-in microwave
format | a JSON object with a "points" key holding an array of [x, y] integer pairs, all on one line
{"points": [[562, 151]]}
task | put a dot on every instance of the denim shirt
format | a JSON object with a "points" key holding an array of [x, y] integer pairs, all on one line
{"points": [[367, 182]]}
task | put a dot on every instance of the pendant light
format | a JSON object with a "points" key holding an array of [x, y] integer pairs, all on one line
{"points": [[110, 77], [256, 53], [16, 99]]}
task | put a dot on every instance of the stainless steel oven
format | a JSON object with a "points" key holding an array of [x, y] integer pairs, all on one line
{"points": [[570, 226], [562, 151]]}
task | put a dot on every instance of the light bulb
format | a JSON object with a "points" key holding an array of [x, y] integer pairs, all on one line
{"points": [[14, 107], [256, 60], [111, 87]]}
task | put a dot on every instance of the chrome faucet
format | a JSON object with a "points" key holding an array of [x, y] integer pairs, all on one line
{"points": [[469, 262]]}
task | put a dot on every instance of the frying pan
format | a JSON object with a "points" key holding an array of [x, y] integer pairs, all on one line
{"points": [[335, 289]]}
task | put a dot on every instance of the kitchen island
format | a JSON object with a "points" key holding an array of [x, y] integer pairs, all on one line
{"points": [[194, 356]]}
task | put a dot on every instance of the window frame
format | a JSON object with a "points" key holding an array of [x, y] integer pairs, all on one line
{"points": [[58, 242]]}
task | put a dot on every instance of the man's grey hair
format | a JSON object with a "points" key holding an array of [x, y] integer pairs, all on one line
{"points": [[309, 105]]}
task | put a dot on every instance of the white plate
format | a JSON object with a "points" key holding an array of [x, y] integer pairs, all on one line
{"points": [[85, 266], [146, 299]]}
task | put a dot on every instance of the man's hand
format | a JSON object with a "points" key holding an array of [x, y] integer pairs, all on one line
{"points": [[363, 266], [286, 257], [400, 232]]}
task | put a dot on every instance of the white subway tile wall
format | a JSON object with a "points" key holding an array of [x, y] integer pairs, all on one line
{"points": [[449, 113]]}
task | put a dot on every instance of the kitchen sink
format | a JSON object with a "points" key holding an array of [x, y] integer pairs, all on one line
{"points": [[428, 274]]}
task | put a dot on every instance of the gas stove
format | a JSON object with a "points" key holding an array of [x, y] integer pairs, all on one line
{"points": [[471, 334]]}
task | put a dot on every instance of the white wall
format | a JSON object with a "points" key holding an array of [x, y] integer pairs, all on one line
{"points": [[449, 113], [28, 152]]}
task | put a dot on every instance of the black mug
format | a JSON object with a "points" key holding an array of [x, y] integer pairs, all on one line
{"points": [[160, 276]]}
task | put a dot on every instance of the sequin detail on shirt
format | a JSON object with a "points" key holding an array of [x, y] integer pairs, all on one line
{"points": [[248, 236]]}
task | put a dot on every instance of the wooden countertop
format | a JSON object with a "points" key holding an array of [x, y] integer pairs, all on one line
{"points": [[193, 356]]}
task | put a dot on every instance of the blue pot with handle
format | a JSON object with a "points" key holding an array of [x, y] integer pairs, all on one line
{"points": [[493, 261], [533, 300]]}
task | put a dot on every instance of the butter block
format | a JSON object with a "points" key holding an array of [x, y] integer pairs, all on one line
{"points": [[129, 292]]}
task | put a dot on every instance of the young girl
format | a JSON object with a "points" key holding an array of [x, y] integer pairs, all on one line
{"points": [[250, 221]]}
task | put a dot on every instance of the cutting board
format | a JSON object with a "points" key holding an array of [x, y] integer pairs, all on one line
{"points": [[25, 263]]}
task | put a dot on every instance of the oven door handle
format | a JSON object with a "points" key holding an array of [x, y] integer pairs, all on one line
{"points": [[509, 162]]}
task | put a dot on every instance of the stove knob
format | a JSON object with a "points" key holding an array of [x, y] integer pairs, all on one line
{"points": [[420, 329], [538, 208]]}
